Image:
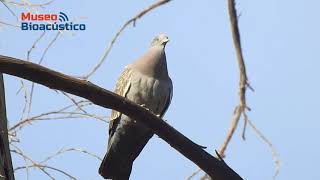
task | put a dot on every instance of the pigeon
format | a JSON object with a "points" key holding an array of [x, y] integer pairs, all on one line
{"points": [[147, 83]]}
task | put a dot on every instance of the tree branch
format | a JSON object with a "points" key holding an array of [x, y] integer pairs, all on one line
{"points": [[214, 167], [243, 83], [6, 170]]}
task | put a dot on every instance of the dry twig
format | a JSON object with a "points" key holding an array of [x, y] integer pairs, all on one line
{"points": [[9, 9], [42, 166], [133, 21], [63, 111], [64, 150], [243, 83], [40, 61], [274, 153], [28, 4], [9, 24], [34, 44]]}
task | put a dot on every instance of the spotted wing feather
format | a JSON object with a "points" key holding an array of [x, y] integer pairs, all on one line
{"points": [[122, 88]]}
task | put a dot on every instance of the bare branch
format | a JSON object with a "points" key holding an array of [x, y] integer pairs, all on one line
{"points": [[34, 44], [19, 152], [243, 82], [133, 21], [214, 167], [42, 5], [74, 101], [10, 10], [64, 150], [275, 155], [67, 114], [194, 174], [40, 61], [49, 45], [25, 95], [34, 163], [9, 24], [42, 166], [243, 85], [232, 128]]}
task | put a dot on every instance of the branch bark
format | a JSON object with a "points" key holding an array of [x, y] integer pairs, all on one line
{"points": [[217, 169]]}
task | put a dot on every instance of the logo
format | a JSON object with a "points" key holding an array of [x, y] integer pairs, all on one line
{"points": [[63, 17], [51, 22]]}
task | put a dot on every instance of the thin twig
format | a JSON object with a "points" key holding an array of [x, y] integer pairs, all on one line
{"points": [[69, 115], [24, 158], [232, 128], [21, 123], [42, 5], [193, 174], [10, 10], [74, 101], [49, 45], [42, 167], [25, 90], [9, 24], [34, 44], [40, 61], [34, 163], [274, 153], [64, 150], [133, 21], [244, 128], [38, 165]]}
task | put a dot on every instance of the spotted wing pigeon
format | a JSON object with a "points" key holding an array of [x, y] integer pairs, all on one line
{"points": [[146, 82]]}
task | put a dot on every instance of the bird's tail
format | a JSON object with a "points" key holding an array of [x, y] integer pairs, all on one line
{"points": [[112, 168]]}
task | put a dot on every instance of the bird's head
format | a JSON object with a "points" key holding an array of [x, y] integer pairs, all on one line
{"points": [[160, 40]]}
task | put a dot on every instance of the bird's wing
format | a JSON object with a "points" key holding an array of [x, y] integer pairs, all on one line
{"points": [[122, 88], [168, 99]]}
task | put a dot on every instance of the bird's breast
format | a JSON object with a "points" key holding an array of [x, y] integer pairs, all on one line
{"points": [[148, 91]]}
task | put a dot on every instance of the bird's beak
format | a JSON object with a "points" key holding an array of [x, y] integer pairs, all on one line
{"points": [[165, 41]]}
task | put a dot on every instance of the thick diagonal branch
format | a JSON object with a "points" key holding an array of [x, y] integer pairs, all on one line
{"points": [[217, 169]]}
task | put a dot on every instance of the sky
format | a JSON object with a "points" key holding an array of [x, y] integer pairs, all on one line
{"points": [[280, 41]]}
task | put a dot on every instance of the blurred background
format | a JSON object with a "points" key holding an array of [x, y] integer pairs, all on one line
{"points": [[280, 41]]}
